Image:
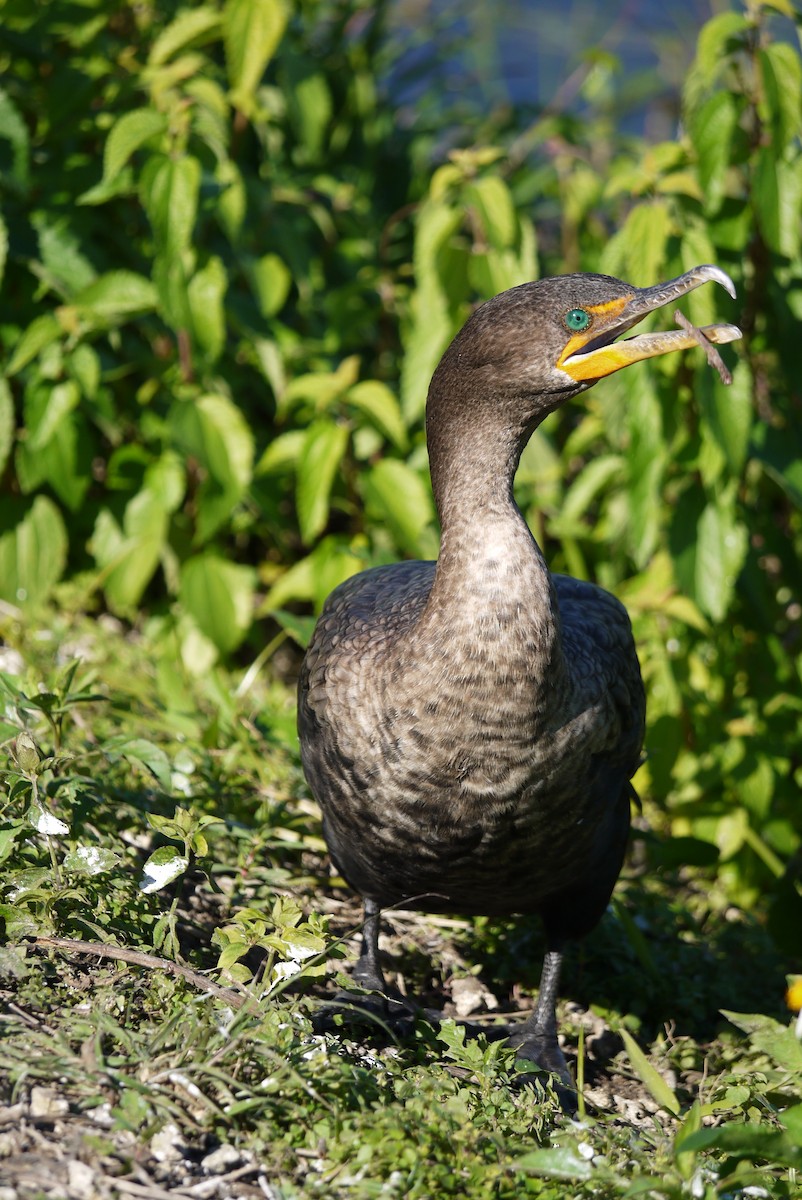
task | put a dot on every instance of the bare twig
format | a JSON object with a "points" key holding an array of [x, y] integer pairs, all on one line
{"points": [[150, 961], [713, 356]]}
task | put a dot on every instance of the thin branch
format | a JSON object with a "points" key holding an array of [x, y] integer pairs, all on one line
{"points": [[150, 961]]}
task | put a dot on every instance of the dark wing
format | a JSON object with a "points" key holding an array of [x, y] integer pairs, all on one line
{"points": [[600, 648]]}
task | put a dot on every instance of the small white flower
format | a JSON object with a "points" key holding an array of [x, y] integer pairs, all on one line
{"points": [[585, 1150]]}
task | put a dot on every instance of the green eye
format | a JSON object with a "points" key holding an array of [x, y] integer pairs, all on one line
{"points": [[577, 320]]}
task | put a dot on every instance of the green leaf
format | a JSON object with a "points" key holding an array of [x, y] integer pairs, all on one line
{"points": [[91, 860], [771, 1037], [592, 480], [780, 452], [65, 266], [3, 248], [63, 461], [432, 326], [41, 332], [163, 866], [192, 27], [127, 134], [651, 1079], [376, 402], [214, 431], [716, 39], [646, 459], [252, 31], [282, 454], [205, 296], [747, 1141], [398, 496], [766, 196], [313, 578], [7, 423], [559, 1162], [720, 554], [84, 366], [128, 557], [14, 130], [727, 412], [300, 629], [144, 753], [170, 188], [33, 555], [638, 251], [59, 401], [692, 1122], [494, 202], [324, 446], [219, 596], [711, 130], [272, 280], [781, 71], [115, 296], [312, 101]]}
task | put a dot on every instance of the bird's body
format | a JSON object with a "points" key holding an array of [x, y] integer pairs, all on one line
{"points": [[500, 734], [470, 727]]}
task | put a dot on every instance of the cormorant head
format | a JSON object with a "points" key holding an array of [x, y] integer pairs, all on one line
{"points": [[536, 345]]}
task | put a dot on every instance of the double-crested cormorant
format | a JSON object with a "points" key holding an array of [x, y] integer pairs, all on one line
{"points": [[470, 727]]}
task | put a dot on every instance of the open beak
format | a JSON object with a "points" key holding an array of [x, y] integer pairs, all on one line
{"points": [[594, 353]]}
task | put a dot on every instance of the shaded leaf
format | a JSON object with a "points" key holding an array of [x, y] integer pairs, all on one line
{"points": [[7, 423], [721, 548], [33, 554]]}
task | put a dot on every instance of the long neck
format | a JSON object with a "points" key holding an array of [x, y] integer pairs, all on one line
{"points": [[492, 588]]}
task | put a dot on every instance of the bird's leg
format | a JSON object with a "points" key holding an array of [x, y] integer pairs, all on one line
{"points": [[367, 972], [537, 1038]]}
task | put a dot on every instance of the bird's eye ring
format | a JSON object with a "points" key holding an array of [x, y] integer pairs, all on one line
{"points": [[577, 320]]}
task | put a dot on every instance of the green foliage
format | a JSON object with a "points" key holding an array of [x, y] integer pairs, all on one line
{"points": [[228, 271]]}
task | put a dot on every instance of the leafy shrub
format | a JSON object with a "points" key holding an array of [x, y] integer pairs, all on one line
{"points": [[229, 273]]}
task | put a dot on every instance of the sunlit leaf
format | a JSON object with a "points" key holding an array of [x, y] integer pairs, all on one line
{"points": [[128, 133], [170, 194], [377, 403], [651, 1079], [398, 496], [191, 27], [253, 30], [323, 449], [219, 596]]}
